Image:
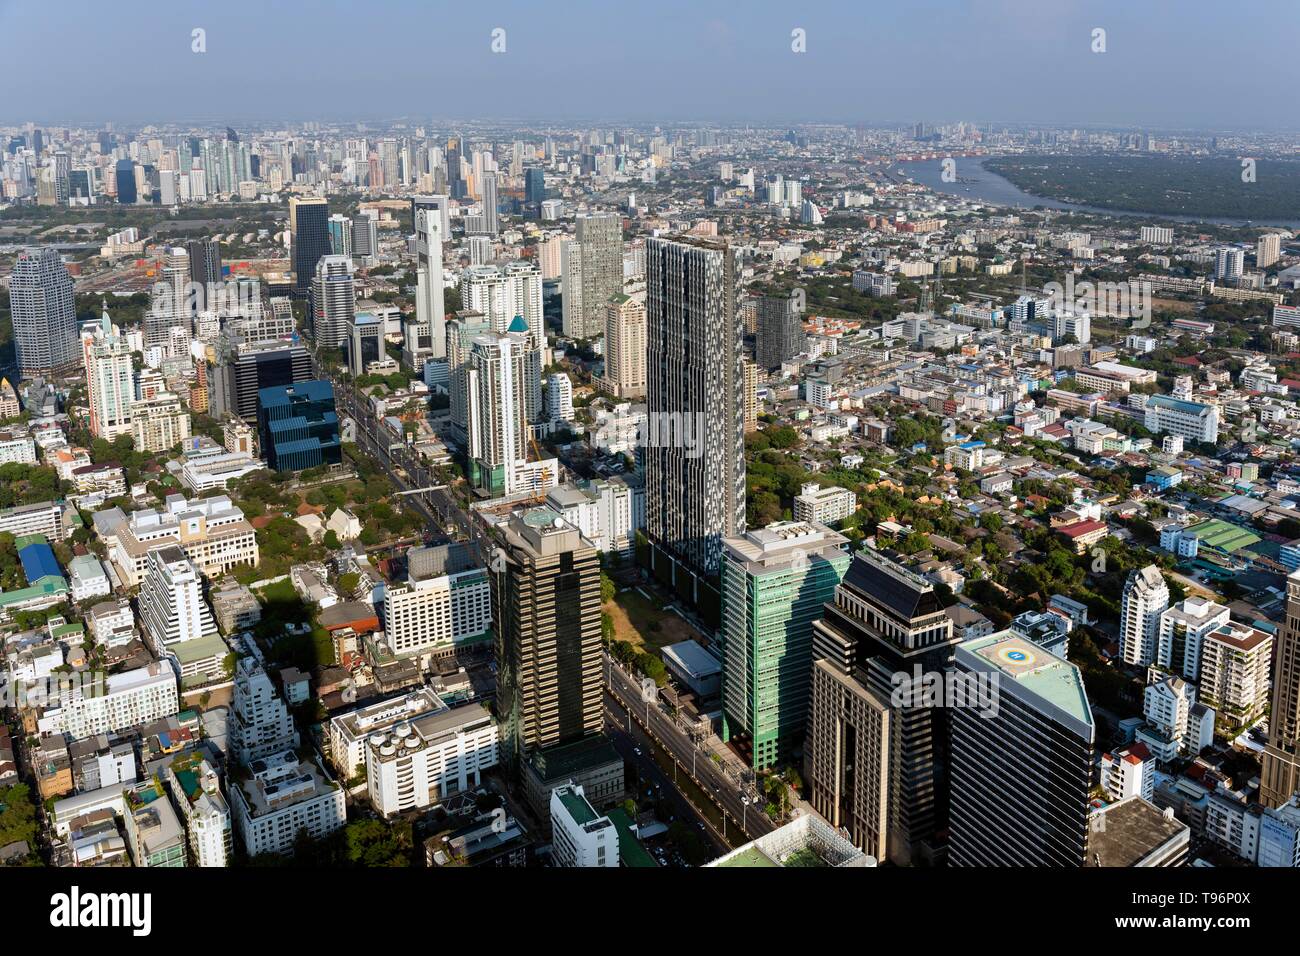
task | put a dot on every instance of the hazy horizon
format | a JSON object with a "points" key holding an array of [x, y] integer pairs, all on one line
{"points": [[1197, 65]]}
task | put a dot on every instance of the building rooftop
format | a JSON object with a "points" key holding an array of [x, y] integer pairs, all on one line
{"points": [[1130, 831], [1053, 680]]}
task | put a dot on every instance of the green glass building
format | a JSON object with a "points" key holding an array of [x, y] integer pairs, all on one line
{"points": [[774, 584]]}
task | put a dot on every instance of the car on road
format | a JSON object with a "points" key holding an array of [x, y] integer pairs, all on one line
{"points": [[637, 751]]}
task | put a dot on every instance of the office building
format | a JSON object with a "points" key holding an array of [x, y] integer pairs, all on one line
{"points": [[695, 496], [309, 239], [1175, 416], [1145, 597], [1022, 771], [205, 264], [625, 348], [240, 375], [774, 584], [546, 623], [364, 343], [333, 301], [885, 630], [298, 426], [340, 230], [44, 314]]}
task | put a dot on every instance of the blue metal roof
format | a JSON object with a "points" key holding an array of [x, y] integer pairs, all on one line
{"points": [[39, 561]]}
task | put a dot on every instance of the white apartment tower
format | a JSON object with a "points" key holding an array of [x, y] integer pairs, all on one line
{"points": [[172, 607], [1145, 598], [333, 301], [110, 379], [430, 307], [259, 722]]}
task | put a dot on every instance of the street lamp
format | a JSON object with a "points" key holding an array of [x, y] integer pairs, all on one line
{"points": [[744, 812]]}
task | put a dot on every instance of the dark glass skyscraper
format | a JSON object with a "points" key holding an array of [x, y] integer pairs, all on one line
{"points": [[205, 261], [125, 173], [309, 234], [534, 184]]}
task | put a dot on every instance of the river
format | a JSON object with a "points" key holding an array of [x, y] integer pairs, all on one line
{"points": [[978, 184]]}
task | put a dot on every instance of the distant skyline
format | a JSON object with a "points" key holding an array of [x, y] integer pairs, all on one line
{"points": [[1188, 64]]}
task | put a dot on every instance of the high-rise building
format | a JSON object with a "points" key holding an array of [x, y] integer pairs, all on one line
{"points": [[237, 378], [171, 307], [340, 229], [1022, 751], [461, 332], [365, 240], [886, 628], [695, 490], [1268, 249], [546, 623], [749, 376], [205, 263], [444, 603], [503, 293], [172, 608], [159, 422], [534, 185], [780, 331], [1280, 775], [625, 348], [298, 426], [775, 582], [1144, 599], [44, 314], [124, 173], [497, 387], [309, 238], [333, 301], [110, 379], [595, 273], [430, 307], [1229, 263], [259, 722], [364, 342], [559, 397]]}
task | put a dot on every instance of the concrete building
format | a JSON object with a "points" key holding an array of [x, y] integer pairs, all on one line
{"points": [[824, 505], [444, 603], [420, 763], [581, 836], [282, 797], [1145, 597]]}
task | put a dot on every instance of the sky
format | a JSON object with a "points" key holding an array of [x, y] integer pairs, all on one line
{"points": [[1167, 64]]}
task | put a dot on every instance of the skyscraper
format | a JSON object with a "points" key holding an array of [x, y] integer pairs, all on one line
{"points": [[340, 227], [171, 308], [546, 623], [124, 173], [496, 416], [885, 626], [44, 314], [1021, 756], [534, 185], [780, 331], [1280, 774], [430, 306], [774, 584], [333, 301], [595, 273], [110, 380], [205, 262], [1144, 599], [172, 608], [309, 238], [695, 490]]}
